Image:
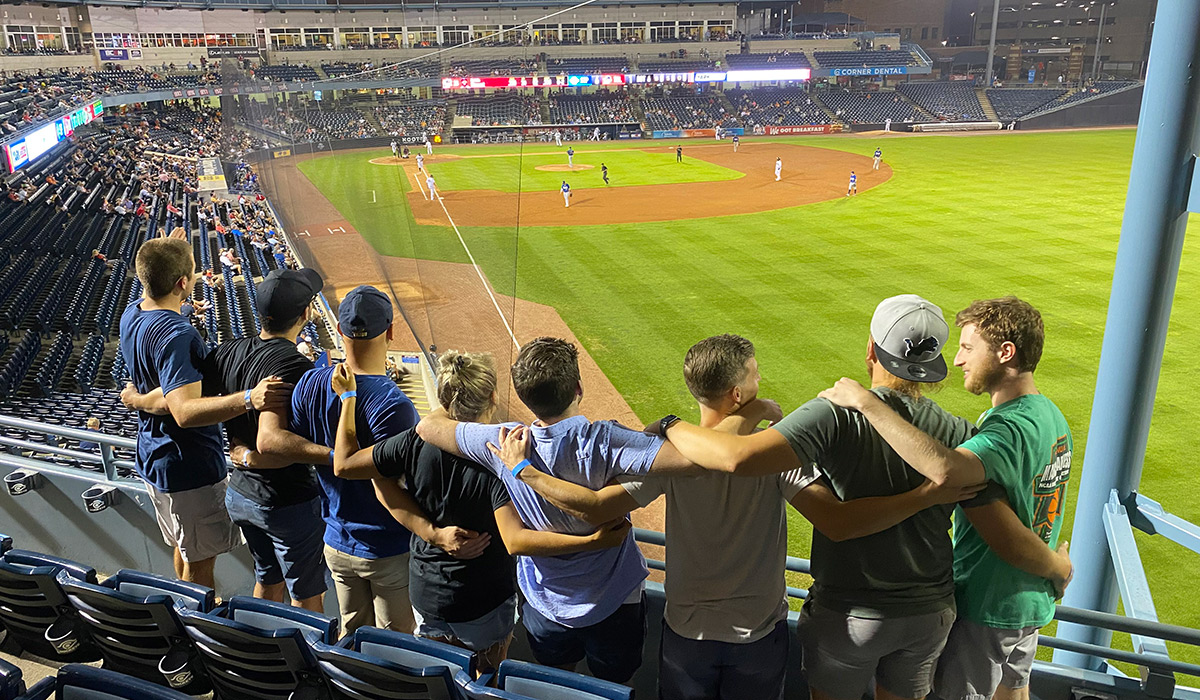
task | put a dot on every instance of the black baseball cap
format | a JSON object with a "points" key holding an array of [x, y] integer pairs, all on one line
{"points": [[285, 294], [365, 313]]}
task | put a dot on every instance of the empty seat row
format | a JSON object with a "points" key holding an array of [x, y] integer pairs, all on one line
{"points": [[172, 634]]}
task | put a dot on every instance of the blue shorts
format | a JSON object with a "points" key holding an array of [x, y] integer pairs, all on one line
{"points": [[612, 647], [286, 543], [691, 669]]}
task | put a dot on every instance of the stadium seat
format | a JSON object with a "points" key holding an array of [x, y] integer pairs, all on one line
{"points": [[375, 664], [76, 682], [5, 543], [34, 609], [131, 618], [11, 683], [260, 650], [520, 680]]}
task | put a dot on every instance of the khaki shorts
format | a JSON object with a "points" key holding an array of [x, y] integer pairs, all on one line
{"points": [[844, 655], [195, 521], [371, 592], [978, 659]]}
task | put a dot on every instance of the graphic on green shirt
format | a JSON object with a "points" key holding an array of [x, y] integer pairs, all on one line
{"points": [[1049, 489]]}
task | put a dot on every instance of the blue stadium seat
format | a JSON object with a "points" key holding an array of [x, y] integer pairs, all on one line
{"points": [[34, 609], [260, 650], [375, 664], [131, 618], [11, 683], [5, 543], [75, 682], [525, 680]]}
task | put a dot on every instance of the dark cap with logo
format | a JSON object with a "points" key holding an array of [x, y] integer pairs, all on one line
{"points": [[365, 313], [909, 334], [285, 294]]}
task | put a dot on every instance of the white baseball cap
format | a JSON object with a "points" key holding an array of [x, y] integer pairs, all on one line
{"points": [[909, 334]]}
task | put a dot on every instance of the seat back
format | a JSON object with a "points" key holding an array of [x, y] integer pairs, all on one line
{"points": [[76, 682], [256, 649], [544, 683], [132, 620], [5, 543], [32, 603], [11, 683], [376, 664]]}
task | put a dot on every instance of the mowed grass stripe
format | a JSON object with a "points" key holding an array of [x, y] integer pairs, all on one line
{"points": [[1036, 215]]}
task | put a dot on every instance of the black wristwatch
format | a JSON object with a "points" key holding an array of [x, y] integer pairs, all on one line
{"points": [[666, 422]]}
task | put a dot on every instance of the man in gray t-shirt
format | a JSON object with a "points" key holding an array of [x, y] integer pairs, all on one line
{"points": [[724, 631], [882, 604]]}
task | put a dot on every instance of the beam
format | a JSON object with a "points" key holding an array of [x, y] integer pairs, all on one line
{"points": [[1153, 520], [1139, 308]]}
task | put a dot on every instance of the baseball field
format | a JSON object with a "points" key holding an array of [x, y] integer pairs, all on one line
{"points": [[669, 253]]}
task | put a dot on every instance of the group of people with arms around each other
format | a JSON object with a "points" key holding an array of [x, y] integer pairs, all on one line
{"points": [[935, 553]]}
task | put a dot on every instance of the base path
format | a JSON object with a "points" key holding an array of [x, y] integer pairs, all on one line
{"points": [[809, 175]]}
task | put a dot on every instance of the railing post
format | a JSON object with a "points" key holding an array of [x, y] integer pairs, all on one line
{"points": [[1139, 307]]}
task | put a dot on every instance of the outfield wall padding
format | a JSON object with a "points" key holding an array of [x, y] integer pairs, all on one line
{"points": [[1107, 110]]}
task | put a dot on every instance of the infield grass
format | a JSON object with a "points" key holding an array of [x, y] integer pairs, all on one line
{"points": [[1036, 215]]}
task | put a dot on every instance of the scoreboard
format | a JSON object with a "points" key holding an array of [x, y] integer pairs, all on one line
{"points": [[607, 79]]}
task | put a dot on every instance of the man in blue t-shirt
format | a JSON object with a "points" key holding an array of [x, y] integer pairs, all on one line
{"points": [[179, 450], [365, 548], [589, 604]]}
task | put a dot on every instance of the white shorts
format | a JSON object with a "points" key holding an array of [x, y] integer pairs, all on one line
{"points": [[195, 521]]}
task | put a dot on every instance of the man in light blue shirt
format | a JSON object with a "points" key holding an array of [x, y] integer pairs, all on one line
{"points": [[589, 604]]}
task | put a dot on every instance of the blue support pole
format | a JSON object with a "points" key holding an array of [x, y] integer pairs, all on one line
{"points": [[1139, 308]]}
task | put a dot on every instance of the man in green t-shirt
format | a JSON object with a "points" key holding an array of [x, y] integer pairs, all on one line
{"points": [[1023, 448]]}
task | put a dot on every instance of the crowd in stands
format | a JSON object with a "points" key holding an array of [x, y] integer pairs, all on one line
{"points": [[776, 107], [869, 107], [416, 117], [951, 101], [503, 109], [686, 112], [509, 66], [601, 107], [590, 65]]}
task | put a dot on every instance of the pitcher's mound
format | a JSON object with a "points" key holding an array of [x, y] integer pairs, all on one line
{"points": [[560, 168]]}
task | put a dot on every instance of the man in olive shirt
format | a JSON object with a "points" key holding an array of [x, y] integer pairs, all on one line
{"points": [[881, 606], [1024, 448]]}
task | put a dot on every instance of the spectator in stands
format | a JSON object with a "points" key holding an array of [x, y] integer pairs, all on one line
{"points": [[591, 604], [365, 548], [304, 346], [471, 603], [93, 426], [275, 500], [724, 632], [880, 607], [1023, 449], [179, 450]]}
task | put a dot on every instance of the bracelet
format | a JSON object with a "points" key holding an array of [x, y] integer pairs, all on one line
{"points": [[246, 459], [331, 458], [347, 394], [520, 465], [246, 399]]}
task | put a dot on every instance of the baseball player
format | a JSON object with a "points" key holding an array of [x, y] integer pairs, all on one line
{"points": [[679, 154], [604, 172], [595, 134], [853, 188], [887, 124], [433, 195], [878, 157], [566, 190], [420, 162], [404, 152], [395, 149], [778, 169], [428, 146], [570, 158], [558, 137], [736, 140]]}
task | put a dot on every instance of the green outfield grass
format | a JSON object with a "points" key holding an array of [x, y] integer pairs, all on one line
{"points": [[1036, 215], [517, 172]]}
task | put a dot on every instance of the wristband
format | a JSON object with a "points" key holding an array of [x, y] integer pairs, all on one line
{"points": [[246, 459], [246, 399], [331, 458], [520, 465], [347, 394]]}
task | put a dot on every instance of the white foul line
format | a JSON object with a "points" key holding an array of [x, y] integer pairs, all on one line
{"points": [[372, 196], [418, 179], [479, 272]]}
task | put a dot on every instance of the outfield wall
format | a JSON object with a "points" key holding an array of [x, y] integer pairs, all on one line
{"points": [[1118, 109]]}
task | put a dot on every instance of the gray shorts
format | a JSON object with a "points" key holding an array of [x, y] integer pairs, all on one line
{"points": [[978, 659], [195, 521], [844, 655]]}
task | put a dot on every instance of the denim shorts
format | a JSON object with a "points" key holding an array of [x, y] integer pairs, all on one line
{"points": [[286, 543], [476, 635]]}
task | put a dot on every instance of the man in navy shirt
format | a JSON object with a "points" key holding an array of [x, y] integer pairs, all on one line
{"points": [[179, 452], [365, 548]]}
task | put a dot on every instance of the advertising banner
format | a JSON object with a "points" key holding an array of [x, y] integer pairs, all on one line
{"points": [[793, 130], [233, 52], [871, 70], [114, 54]]}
